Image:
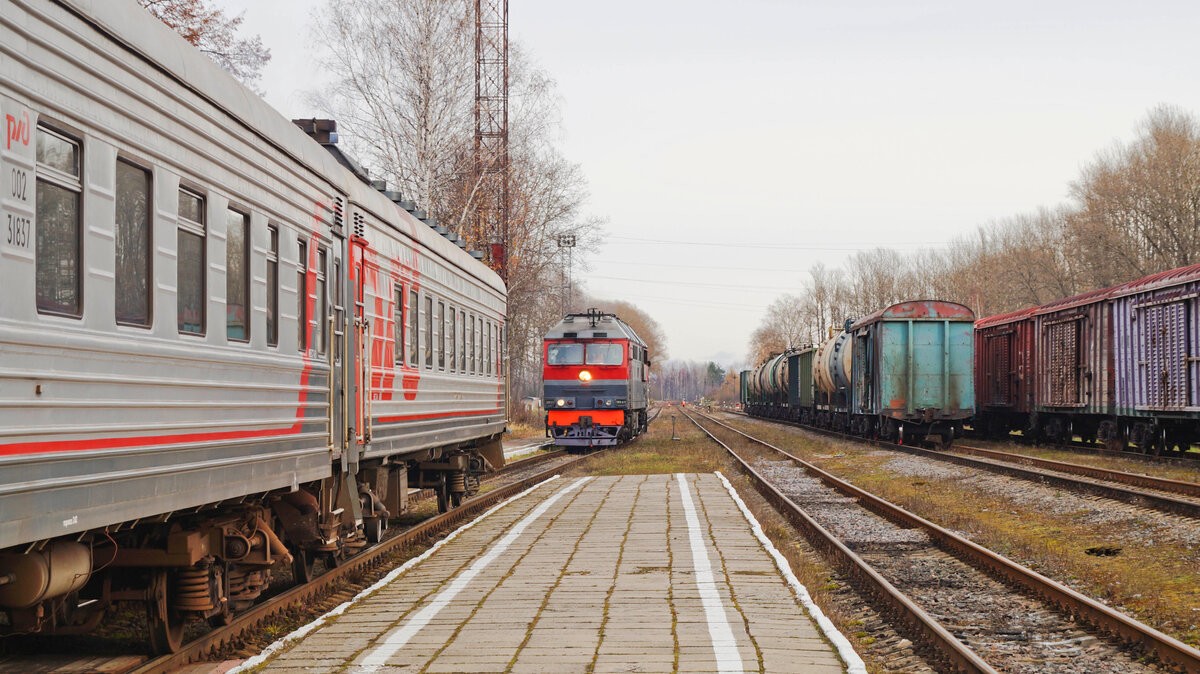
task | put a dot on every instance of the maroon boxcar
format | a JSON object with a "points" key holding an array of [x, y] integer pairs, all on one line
{"points": [[1074, 366], [1156, 330], [1004, 362]]}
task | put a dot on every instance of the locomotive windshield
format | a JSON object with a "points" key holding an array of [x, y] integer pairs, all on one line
{"points": [[604, 354], [564, 354]]}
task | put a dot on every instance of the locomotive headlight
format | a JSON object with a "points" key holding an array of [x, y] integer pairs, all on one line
{"points": [[584, 375], [561, 403]]}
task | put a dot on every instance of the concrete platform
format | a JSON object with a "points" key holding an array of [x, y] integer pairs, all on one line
{"points": [[652, 573]]}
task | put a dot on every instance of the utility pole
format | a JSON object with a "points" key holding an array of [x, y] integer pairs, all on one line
{"points": [[567, 241], [491, 130]]}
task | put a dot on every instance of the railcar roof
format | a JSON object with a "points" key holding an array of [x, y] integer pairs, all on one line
{"points": [[934, 310], [579, 326], [1160, 280], [137, 30], [1002, 319]]}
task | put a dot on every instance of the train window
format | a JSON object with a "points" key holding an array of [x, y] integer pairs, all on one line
{"points": [[479, 344], [488, 347], [57, 236], [398, 324], [564, 354], [237, 276], [272, 285], [302, 297], [604, 354], [443, 322], [335, 323], [428, 341], [133, 245], [414, 306], [453, 337], [190, 263], [321, 314], [470, 353], [462, 341]]}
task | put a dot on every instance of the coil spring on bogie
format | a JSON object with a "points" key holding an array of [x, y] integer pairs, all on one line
{"points": [[191, 590], [458, 482], [237, 582]]}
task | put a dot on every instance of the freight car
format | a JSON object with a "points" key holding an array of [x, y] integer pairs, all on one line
{"points": [[595, 378], [903, 373], [220, 349], [1117, 365]]}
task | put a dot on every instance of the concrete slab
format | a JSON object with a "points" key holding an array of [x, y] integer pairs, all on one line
{"points": [[653, 572]]}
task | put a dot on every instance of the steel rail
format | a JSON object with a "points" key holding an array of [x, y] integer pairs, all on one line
{"points": [[922, 625], [1147, 481], [1127, 494], [308, 593], [1164, 647]]}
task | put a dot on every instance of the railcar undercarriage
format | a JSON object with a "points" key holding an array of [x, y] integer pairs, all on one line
{"points": [[210, 562]]}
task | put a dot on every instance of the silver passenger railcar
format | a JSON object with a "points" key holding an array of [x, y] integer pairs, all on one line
{"points": [[220, 350]]}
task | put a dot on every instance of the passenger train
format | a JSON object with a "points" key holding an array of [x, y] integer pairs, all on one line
{"points": [[221, 350], [595, 378]]}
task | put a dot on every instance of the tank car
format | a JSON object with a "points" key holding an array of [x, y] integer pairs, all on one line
{"points": [[769, 387], [595, 378], [242, 360]]}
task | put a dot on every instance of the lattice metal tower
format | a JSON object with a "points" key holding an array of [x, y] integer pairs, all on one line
{"points": [[491, 129]]}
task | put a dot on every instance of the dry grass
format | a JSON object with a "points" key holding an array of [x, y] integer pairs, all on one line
{"points": [[524, 430], [1128, 465], [1155, 581]]}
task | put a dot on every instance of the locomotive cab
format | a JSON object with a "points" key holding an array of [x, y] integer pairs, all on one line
{"points": [[595, 373]]}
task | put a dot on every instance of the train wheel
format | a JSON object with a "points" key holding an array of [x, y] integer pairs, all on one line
{"points": [[166, 626], [946, 439]]}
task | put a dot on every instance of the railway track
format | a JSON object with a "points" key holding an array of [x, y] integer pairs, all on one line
{"points": [[528, 472], [1161, 494], [952, 595], [515, 477]]}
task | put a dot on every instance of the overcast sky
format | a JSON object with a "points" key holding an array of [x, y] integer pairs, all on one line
{"points": [[730, 146]]}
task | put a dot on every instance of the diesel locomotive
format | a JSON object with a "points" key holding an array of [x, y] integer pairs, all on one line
{"points": [[903, 374], [595, 378], [221, 349]]}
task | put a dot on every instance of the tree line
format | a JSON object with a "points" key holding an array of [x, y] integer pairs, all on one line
{"points": [[1134, 210]]}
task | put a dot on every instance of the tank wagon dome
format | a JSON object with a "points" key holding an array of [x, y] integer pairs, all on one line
{"points": [[918, 310], [1005, 318]]}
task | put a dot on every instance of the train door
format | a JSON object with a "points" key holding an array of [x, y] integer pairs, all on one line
{"points": [[1063, 361], [1165, 357], [999, 374]]}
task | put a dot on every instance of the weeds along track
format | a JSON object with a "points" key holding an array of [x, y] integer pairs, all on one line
{"points": [[1155, 493], [975, 610]]}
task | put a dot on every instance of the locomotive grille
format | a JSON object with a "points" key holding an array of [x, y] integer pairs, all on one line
{"points": [[360, 225]]}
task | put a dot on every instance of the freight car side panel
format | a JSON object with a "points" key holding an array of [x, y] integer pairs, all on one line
{"points": [[1156, 340], [924, 365], [1074, 359], [800, 378], [1004, 356]]}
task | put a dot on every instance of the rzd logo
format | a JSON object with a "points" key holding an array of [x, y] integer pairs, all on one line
{"points": [[17, 129]]}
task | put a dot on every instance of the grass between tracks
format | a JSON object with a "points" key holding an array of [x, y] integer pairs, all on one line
{"points": [[1155, 580], [1128, 465], [656, 453]]}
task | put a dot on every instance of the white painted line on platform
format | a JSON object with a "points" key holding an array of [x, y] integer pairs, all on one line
{"points": [[724, 645], [300, 632], [378, 657], [854, 663]]}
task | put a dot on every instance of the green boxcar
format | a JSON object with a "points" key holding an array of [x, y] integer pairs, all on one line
{"points": [[912, 371]]}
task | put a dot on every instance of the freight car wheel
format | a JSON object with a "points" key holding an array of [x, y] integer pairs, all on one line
{"points": [[166, 626]]}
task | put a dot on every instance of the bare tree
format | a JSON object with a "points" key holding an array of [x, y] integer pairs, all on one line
{"points": [[213, 32]]}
